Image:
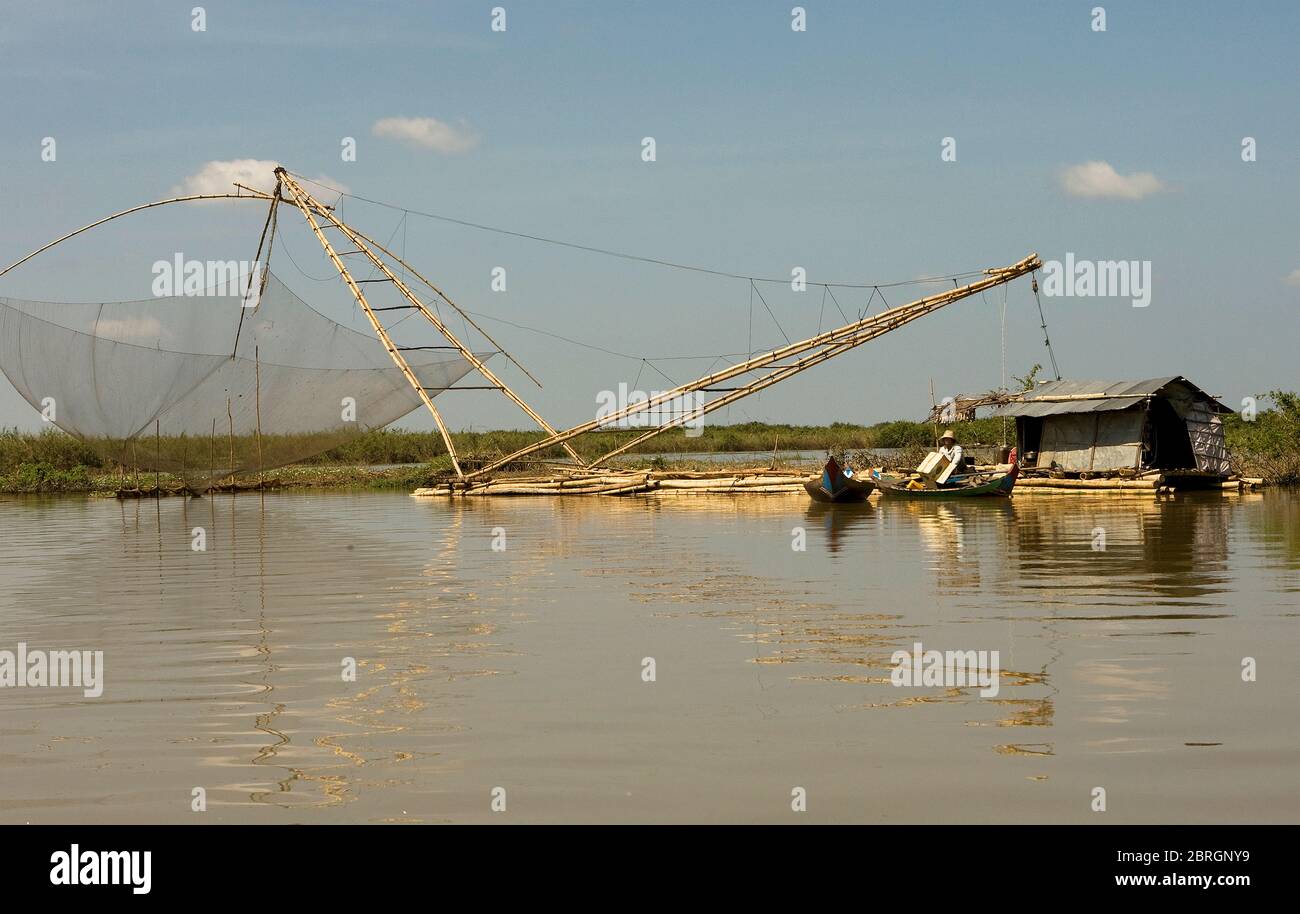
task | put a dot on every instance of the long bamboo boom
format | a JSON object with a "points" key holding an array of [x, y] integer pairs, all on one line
{"points": [[766, 381], [851, 334], [419, 304], [893, 322], [251, 195], [397, 357]]}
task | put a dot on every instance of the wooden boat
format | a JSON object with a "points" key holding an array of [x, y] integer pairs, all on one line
{"points": [[839, 484], [970, 486]]}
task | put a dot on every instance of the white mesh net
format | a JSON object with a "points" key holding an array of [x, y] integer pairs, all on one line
{"points": [[181, 385]]}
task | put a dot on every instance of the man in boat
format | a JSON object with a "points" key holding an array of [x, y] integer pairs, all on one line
{"points": [[952, 452]]}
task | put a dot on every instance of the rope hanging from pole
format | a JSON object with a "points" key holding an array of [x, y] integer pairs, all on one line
{"points": [[1043, 323], [268, 238]]}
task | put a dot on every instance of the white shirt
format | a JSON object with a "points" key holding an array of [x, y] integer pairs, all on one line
{"points": [[952, 454]]}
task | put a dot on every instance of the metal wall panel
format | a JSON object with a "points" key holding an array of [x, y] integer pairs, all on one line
{"points": [[1206, 432]]}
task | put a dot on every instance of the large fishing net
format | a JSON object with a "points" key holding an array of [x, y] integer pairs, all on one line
{"points": [[204, 388]]}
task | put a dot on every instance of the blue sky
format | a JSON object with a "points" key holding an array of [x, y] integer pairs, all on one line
{"points": [[775, 149]]}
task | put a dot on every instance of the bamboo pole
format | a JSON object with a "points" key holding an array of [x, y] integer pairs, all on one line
{"points": [[267, 227], [416, 302], [774, 489], [251, 195], [838, 340], [307, 210]]}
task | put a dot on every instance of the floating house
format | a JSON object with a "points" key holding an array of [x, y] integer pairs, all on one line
{"points": [[1104, 428]]}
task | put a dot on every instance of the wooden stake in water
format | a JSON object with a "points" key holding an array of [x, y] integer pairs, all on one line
{"points": [[231, 419], [257, 394], [932, 412]]}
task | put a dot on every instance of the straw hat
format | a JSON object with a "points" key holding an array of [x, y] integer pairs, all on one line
{"points": [[947, 435]]}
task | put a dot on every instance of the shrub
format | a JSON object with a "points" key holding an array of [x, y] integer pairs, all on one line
{"points": [[43, 477], [1269, 445]]}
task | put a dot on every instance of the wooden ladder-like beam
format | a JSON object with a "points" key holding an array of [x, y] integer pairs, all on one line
{"points": [[359, 241], [309, 208]]}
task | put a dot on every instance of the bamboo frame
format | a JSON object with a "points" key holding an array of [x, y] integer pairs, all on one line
{"points": [[830, 343], [306, 203], [835, 342]]}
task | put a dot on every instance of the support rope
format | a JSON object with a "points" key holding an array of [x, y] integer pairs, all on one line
{"points": [[1033, 284]]}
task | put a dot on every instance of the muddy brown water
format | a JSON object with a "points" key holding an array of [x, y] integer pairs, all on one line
{"points": [[523, 667]]}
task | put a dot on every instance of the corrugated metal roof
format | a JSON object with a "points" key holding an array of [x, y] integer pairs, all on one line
{"points": [[1093, 396], [1109, 388], [1058, 408]]}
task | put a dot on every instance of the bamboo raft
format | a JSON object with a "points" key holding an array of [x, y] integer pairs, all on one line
{"points": [[769, 481], [1152, 482], [755, 481]]}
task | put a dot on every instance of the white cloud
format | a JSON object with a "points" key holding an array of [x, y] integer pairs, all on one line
{"points": [[427, 133], [219, 177], [1099, 179], [1293, 278]]}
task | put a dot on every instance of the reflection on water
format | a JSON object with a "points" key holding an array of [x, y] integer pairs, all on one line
{"points": [[521, 667]]}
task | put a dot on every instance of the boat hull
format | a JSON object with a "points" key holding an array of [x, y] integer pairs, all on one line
{"points": [[999, 487], [853, 491], [835, 486]]}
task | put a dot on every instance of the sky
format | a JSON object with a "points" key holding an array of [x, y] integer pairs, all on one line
{"points": [[774, 149]]}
